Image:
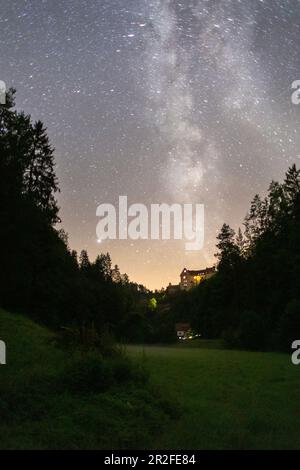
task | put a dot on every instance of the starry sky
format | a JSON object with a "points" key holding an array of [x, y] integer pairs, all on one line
{"points": [[160, 100]]}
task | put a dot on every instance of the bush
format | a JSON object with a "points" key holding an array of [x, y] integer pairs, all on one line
{"points": [[88, 338], [125, 370], [88, 373], [289, 325], [231, 338], [252, 331]]}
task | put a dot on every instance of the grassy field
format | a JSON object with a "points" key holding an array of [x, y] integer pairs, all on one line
{"points": [[197, 398], [229, 399], [48, 398]]}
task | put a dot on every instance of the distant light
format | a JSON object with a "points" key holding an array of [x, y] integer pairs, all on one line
{"points": [[99, 241]]}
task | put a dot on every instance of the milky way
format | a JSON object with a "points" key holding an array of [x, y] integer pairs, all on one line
{"points": [[162, 101]]}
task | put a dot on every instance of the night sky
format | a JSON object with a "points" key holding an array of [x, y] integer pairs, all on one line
{"points": [[162, 101]]}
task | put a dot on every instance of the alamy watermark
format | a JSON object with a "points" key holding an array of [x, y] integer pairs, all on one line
{"points": [[296, 94], [2, 353], [2, 92], [296, 354], [159, 221]]}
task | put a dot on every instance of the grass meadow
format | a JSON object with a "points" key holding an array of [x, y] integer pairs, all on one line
{"points": [[52, 398], [229, 399], [185, 398]]}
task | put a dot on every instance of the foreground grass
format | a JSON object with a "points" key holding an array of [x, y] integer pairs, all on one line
{"points": [[230, 399], [227, 399], [43, 405]]}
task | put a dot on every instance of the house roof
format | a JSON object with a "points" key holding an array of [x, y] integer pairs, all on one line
{"points": [[182, 326]]}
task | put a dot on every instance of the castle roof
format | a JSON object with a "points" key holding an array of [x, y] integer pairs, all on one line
{"points": [[197, 272]]}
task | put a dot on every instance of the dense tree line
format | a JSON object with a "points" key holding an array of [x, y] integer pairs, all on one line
{"points": [[254, 299], [40, 276]]}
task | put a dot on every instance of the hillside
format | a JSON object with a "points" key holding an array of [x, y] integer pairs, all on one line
{"points": [[58, 399]]}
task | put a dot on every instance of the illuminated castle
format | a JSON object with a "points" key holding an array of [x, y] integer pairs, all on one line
{"points": [[190, 278]]}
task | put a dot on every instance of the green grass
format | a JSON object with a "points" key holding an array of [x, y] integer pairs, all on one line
{"points": [[230, 399], [43, 405], [201, 343], [197, 398]]}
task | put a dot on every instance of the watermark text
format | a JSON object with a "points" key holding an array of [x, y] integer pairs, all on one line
{"points": [[296, 94], [159, 221], [296, 354], [2, 92], [2, 353]]}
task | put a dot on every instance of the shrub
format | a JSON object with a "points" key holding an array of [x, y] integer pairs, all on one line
{"points": [[231, 338], [91, 373], [88, 338], [122, 369], [289, 325], [125, 370], [252, 331], [88, 373]]}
